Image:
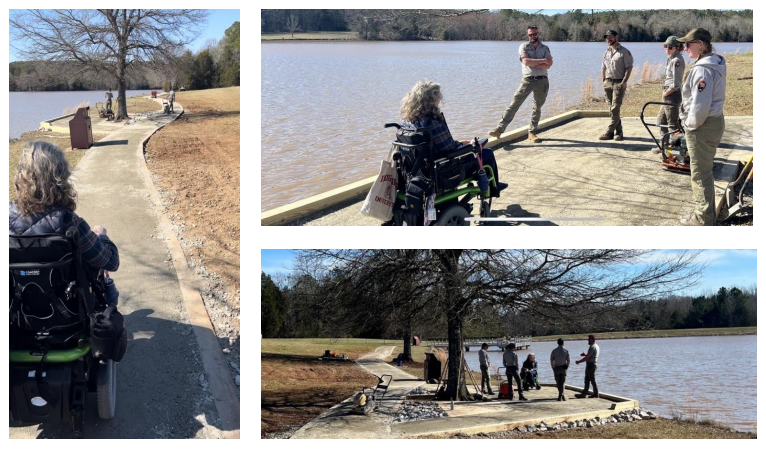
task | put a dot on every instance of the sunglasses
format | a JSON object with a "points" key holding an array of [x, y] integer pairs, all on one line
{"points": [[533, 34]]}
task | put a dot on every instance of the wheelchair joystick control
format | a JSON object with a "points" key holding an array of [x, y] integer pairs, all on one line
{"points": [[111, 293]]}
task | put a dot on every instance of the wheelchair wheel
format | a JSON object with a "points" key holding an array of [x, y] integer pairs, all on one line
{"points": [[453, 216], [106, 388]]}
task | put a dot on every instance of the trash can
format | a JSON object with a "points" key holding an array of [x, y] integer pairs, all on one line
{"points": [[80, 130]]}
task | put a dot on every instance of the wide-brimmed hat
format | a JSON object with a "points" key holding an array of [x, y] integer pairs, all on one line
{"points": [[697, 34]]}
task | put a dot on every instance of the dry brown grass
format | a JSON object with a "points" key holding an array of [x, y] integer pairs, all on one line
{"points": [[296, 387], [739, 89]]}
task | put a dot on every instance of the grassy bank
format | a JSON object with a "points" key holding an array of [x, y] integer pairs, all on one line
{"points": [[739, 90], [647, 429], [733, 331], [296, 386], [135, 105], [312, 36]]}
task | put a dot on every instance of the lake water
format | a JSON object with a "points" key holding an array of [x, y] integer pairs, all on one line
{"points": [[28, 109], [714, 377], [323, 104]]}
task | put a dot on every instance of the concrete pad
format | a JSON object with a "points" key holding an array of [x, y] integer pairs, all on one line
{"points": [[466, 417], [572, 174]]}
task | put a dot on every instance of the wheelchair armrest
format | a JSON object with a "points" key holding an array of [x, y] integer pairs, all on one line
{"points": [[460, 151]]}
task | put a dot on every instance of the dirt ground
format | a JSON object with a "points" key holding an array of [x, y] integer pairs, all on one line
{"points": [[653, 429], [296, 389], [195, 166]]}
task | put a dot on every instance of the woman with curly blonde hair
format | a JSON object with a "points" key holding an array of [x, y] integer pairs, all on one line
{"points": [[420, 109], [46, 201]]}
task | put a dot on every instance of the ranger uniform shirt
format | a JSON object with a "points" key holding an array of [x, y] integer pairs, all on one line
{"points": [[593, 352], [674, 72], [484, 358], [559, 356], [510, 359], [527, 50], [616, 62]]}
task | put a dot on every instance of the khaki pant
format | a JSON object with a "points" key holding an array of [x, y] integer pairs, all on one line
{"points": [[485, 378], [614, 94], [540, 90], [702, 144], [668, 115]]}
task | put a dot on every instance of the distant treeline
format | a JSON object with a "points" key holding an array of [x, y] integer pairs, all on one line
{"points": [[290, 308], [509, 24], [217, 65]]}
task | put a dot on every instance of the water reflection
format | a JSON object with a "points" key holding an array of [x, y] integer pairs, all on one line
{"points": [[707, 377], [323, 105]]}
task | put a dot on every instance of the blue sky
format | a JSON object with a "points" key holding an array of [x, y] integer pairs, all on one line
{"points": [[217, 22], [724, 267]]}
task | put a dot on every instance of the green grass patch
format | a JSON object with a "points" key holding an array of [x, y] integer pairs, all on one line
{"points": [[353, 348]]}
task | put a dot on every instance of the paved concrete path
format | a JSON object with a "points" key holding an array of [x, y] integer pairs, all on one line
{"points": [[163, 390], [572, 174], [466, 417]]}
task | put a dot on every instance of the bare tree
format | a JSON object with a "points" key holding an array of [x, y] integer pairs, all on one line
{"points": [[292, 24], [110, 41], [557, 285]]}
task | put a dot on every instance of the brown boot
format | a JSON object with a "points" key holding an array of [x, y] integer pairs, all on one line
{"points": [[618, 137], [495, 133], [606, 137], [533, 137]]}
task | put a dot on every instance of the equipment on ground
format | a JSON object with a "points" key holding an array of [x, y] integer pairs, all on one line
{"points": [[104, 112], [332, 356], [165, 107], [672, 142], [733, 197], [366, 400]]}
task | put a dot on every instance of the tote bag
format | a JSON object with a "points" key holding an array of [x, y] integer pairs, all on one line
{"points": [[379, 203]]}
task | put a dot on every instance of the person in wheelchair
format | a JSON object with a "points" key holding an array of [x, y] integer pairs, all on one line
{"points": [[529, 373], [420, 109], [46, 201], [66, 335]]}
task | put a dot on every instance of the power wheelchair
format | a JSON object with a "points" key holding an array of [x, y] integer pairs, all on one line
{"points": [[59, 349], [438, 189]]}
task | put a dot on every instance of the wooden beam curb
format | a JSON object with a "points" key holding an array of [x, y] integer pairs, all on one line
{"points": [[216, 368]]}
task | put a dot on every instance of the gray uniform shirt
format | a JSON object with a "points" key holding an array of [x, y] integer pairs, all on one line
{"points": [[172, 95], [510, 359], [484, 358], [527, 50], [616, 62], [593, 353], [674, 72], [108, 95], [559, 356]]}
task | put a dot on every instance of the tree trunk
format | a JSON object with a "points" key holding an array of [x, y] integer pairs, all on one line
{"points": [[408, 340], [122, 104], [456, 387]]}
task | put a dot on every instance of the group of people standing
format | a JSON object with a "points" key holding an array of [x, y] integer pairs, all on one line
{"points": [[697, 104], [528, 379]]}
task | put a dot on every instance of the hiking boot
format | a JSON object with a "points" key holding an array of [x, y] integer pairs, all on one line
{"points": [[538, 387], [579, 395], [690, 221], [533, 137], [500, 188], [594, 395], [563, 398], [495, 133], [559, 399], [618, 137], [523, 399], [491, 393], [606, 137]]}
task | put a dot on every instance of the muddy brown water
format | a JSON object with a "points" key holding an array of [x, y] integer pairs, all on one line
{"points": [[711, 377], [323, 104]]}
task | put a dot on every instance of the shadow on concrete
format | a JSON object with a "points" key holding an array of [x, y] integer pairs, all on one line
{"points": [[108, 143], [159, 391], [515, 211]]}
